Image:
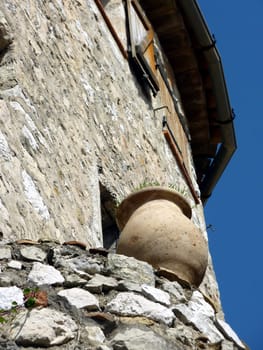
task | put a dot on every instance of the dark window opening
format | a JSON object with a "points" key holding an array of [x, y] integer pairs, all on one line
{"points": [[110, 230]]}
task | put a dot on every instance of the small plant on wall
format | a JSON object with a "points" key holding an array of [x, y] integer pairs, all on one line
{"points": [[33, 297], [180, 188], [147, 184]]}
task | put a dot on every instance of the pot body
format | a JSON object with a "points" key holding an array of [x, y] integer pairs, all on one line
{"points": [[156, 229]]}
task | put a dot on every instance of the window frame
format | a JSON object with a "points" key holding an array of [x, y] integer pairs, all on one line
{"points": [[138, 51]]}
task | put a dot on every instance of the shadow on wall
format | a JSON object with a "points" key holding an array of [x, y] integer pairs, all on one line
{"points": [[110, 230], [105, 2]]}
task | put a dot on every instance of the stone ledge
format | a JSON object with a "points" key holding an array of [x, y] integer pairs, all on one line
{"points": [[99, 302]]}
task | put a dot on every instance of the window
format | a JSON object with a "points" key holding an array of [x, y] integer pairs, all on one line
{"points": [[140, 39], [141, 43], [135, 36]]}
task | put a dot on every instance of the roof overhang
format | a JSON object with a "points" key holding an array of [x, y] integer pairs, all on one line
{"points": [[197, 66]]}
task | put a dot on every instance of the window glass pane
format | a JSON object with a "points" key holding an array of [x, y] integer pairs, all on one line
{"points": [[139, 32], [116, 13]]}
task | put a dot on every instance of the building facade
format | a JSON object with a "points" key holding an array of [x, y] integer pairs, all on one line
{"points": [[98, 99]]}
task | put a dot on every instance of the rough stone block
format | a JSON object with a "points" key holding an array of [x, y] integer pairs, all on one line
{"points": [[80, 298], [201, 315], [5, 253], [156, 295], [43, 274], [130, 269], [229, 333], [129, 304], [138, 339], [9, 295], [43, 328]]}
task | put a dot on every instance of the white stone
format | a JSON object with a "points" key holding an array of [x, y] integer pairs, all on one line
{"points": [[13, 264], [5, 152], [156, 295], [95, 335], [43, 328], [104, 347], [95, 224], [33, 253], [201, 315], [175, 290], [44, 274], [129, 286], [34, 196], [99, 283], [83, 35], [30, 138], [17, 107], [9, 295], [229, 333], [80, 298], [89, 90], [129, 304], [4, 212], [131, 269], [5, 252], [227, 345]]}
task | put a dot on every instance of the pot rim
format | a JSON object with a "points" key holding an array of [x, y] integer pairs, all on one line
{"points": [[138, 198]]}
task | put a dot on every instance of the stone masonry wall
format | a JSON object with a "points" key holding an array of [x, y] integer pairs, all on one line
{"points": [[73, 116], [65, 297]]}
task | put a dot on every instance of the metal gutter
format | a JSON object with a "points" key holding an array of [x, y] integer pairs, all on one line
{"points": [[228, 146]]}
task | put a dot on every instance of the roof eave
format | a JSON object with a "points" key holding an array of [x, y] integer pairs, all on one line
{"points": [[198, 25]]}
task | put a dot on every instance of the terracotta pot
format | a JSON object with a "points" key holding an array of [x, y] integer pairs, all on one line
{"points": [[156, 227]]}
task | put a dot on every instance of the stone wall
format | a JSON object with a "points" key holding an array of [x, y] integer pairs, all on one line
{"points": [[74, 120], [66, 297], [72, 114]]}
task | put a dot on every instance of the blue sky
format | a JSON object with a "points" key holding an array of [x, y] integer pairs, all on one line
{"points": [[235, 208]]}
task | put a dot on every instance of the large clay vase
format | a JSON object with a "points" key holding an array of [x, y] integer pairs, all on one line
{"points": [[155, 227]]}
